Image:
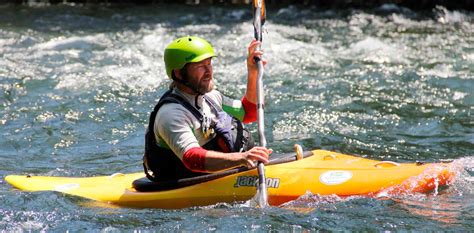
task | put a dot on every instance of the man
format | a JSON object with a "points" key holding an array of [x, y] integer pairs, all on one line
{"points": [[191, 132]]}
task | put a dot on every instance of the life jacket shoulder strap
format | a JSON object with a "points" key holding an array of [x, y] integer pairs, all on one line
{"points": [[212, 104], [169, 97]]}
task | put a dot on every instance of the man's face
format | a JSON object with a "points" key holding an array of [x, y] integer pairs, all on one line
{"points": [[199, 75]]}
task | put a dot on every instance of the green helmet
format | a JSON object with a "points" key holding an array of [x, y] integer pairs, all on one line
{"points": [[185, 50]]}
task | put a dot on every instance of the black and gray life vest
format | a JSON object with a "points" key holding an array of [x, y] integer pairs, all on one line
{"points": [[161, 163]]}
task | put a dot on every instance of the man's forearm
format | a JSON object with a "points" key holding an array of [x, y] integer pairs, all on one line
{"points": [[251, 92], [218, 161], [199, 159]]}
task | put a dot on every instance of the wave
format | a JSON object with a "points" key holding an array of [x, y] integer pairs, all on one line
{"points": [[98, 41]]}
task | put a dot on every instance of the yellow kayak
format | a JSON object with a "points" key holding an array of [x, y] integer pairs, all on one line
{"points": [[323, 173]]}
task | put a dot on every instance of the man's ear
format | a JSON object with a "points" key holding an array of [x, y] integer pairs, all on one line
{"points": [[177, 74]]}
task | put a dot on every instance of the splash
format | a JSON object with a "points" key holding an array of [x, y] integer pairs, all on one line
{"points": [[310, 200], [465, 175], [443, 204], [445, 16], [430, 180], [455, 176]]}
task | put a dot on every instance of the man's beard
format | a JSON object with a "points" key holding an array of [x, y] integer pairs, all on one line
{"points": [[200, 86]]}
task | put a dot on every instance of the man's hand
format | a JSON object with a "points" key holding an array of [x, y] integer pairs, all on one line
{"points": [[252, 53], [215, 161], [252, 70], [256, 154]]}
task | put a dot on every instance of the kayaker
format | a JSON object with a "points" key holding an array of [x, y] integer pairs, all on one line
{"points": [[194, 129]]}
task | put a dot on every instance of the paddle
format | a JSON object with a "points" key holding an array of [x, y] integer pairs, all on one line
{"points": [[258, 21]]}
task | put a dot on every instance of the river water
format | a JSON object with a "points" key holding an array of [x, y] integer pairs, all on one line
{"points": [[77, 84]]}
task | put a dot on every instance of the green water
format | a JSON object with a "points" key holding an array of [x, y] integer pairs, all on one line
{"points": [[77, 84]]}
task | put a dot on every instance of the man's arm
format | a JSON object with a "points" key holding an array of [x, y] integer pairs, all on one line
{"points": [[200, 160], [249, 100], [252, 69]]}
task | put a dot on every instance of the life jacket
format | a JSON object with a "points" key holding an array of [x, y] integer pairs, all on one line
{"points": [[161, 163]]}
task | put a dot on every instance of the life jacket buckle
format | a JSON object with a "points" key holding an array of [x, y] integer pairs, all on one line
{"points": [[207, 126]]}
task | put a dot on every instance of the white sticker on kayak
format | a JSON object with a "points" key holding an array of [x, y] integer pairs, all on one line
{"points": [[335, 177], [65, 187]]}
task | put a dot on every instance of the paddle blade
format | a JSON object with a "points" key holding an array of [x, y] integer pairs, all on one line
{"points": [[260, 6], [262, 195], [258, 18]]}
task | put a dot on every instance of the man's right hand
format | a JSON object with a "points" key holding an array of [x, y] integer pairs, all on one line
{"points": [[254, 155]]}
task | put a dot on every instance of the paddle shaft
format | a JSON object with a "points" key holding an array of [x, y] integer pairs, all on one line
{"points": [[262, 186], [262, 196]]}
